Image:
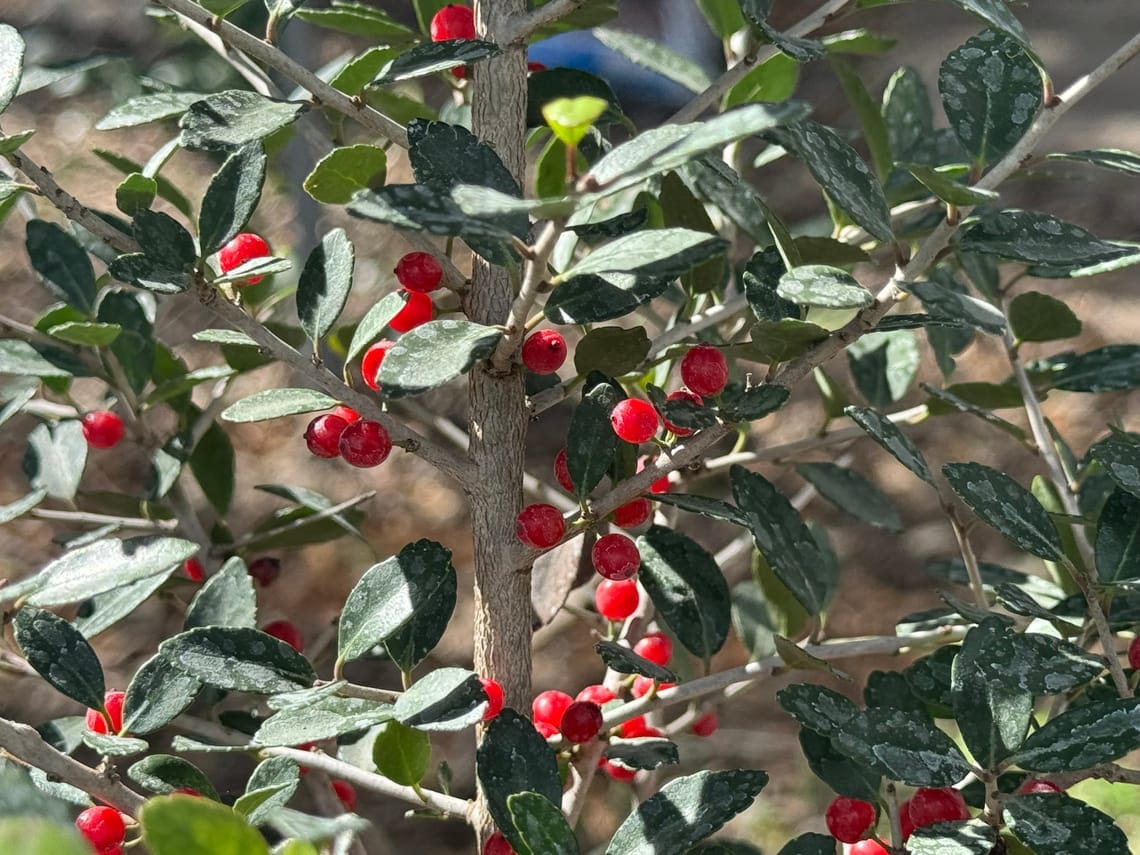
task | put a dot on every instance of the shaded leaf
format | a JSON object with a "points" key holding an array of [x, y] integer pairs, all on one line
{"points": [[325, 282], [434, 353], [445, 699], [61, 655], [1007, 506], [239, 658], [233, 118], [231, 198], [275, 403]]}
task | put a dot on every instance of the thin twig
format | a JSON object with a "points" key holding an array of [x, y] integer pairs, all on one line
{"points": [[84, 518], [544, 15], [968, 557], [532, 281], [368, 693]]}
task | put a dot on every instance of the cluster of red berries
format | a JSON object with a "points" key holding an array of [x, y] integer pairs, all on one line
{"points": [[112, 722], [418, 274], [342, 433], [704, 371]]}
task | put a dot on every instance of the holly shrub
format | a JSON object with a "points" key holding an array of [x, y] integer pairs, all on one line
{"points": [[566, 272]]}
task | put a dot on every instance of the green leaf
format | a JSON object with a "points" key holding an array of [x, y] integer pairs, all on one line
{"points": [[714, 509], [1107, 158], [158, 693], [328, 717], [991, 91], [19, 357], [431, 57], [851, 492], [232, 197], [305, 826], [1034, 316], [164, 240], [781, 536], [1057, 824], [819, 285], [541, 826], [1036, 238], [226, 599], [571, 118], [974, 837], [410, 645], [686, 811], [434, 353], [842, 174], [86, 334], [344, 170], [134, 348], [358, 19], [61, 655], [724, 16], [389, 594], [643, 752], [238, 658], [275, 403], [884, 365], [212, 463], [623, 660], [263, 266], [143, 109], [611, 350], [1119, 454], [591, 442], [773, 80], [1118, 538], [688, 589], [373, 323], [164, 773], [62, 264], [514, 758], [233, 118], [891, 438], [114, 746], [325, 282], [1082, 737], [446, 699], [844, 775], [940, 181], [907, 112], [106, 609], [33, 835], [745, 405], [1114, 367], [11, 64], [656, 57], [870, 117], [945, 302], [1007, 506], [996, 14], [657, 253], [55, 458], [12, 143], [100, 567], [904, 745], [141, 270], [185, 825], [589, 299], [268, 789], [401, 754], [811, 843], [542, 87]]}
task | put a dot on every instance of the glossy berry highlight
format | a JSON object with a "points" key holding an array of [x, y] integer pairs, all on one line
{"points": [[849, 820], [365, 444], [1038, 787], [615, 771], [615, 556], [370, 363], [581, 721], [285, 631], [494, 693], [102, 429], [539, 526], [617, 600], [550, 706], [867, 847], [544, 351], [635, 420], [418, 310], [113, 703], [597, 693], [103, 827], [244, 247], [452, 22], [419, 271], [322, 436], [704, 370]]}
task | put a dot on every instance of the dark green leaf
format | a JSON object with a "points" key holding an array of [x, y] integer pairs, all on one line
{"points": [[343, 171], [226, 599], [158, 693], [143, 109], [738, 404], [686, 811], [33, 835], [1057, 824], [540, 826], [164, 240], [1118, 538], [656, 253], [431, 57], [991, 91], [712, 508], [62, 264], [883, 365], [232, 197], [781, 536], [409, 645], [720, 185], [1007, 506], [643, 752], [239, 658], [11, 64], [134, 348], [182, 825], [1037, 238], [1083, 737], [752, 620], [905, 746], [891, 438], [164, 773], [434, 353], [55, 458], [819, 285], [688, 589], [656, 57], [114, 746], [837, 770], [620, 658], [611, 350], [61, 655], [940, 181], [389, 594], [780, 340], [591, 441], [996, 14], [445, 699], [616, 226], [268, 789], [589, 299], [953, 838], [724, 17], [212, 463], [373, 323], [1034, 316], [1114, 367], [275, 403], [945, 302], [851, 492], [358, 19], [869, 114], [328, 717], [1119, 454], [166, 190], [325, 282], [233, 118], [1107, 158], [143, 271], [907, 112]]}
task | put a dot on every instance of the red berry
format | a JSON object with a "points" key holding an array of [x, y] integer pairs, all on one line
{"points": [[848, 820], [661, 485], [545, 729], [867, 847], [929, 805], [194, 570], [532, 66], [632, 514], [581, 721], [1032, 786], [346, 793], [347, 413], [244, 247], [322, 436], [642, 685], [283, 630], [615, 556], [706, 725], [113, 704], [497, 845], [102, 429], [597, 693], [637, 727], [452, 22], [617, 599], [370, 363], [549, 706], [681, 395], [1134, 654], [494, 693], [365, 443], [544, 352], [905, 823], [634, 420], [418, 310], [562, 471], [704, 370], [265, 570], [540, 526], [419, 271], [656, 647], [616, 771], [186, 791], [102, 826]]}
